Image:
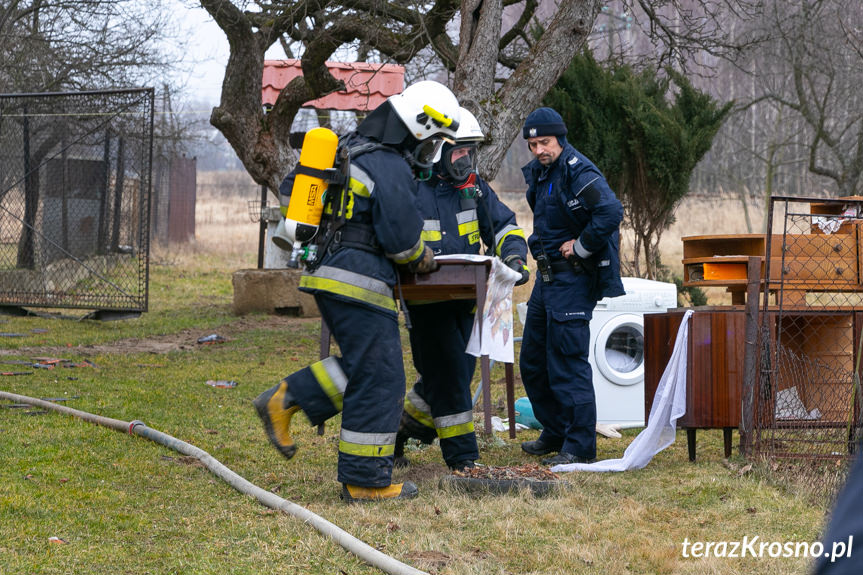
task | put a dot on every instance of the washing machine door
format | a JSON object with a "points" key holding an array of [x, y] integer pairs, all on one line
{"points": [[619, 349]]}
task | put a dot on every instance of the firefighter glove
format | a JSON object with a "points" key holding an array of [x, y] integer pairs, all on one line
{"points": [[518, 265], [425, 264]]}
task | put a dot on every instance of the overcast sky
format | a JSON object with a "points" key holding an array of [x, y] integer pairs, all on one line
{"points": [[207, 53]]}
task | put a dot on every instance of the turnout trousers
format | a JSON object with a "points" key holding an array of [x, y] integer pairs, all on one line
{"points": [[441, 398], [367, 385], [555, 366]]}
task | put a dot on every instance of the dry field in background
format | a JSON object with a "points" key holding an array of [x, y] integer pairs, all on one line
{"points": [[224, 222]]}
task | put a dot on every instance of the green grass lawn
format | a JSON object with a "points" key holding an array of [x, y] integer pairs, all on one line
{"points": [[124, 505]]}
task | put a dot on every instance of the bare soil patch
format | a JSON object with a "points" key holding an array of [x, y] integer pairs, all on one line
{"points": [[185, 340]]}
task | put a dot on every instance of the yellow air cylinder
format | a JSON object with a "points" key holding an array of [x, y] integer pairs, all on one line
{"points": [[303, 215]]}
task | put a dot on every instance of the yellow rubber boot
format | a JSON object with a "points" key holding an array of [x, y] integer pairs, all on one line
{"points": [[276, 407], [355, 493]]}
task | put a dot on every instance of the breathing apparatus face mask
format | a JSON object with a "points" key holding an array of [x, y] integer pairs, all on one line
{"points": [[459, 163], [423, 157]]}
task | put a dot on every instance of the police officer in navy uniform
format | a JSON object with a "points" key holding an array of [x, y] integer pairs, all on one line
{"points": [[575, 242], [379, 228], [460, 212]]}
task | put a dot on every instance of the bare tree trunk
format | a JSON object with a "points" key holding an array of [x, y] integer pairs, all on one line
{"points": [[265, 152], [636, 252], [478, 50], [502, 113]]}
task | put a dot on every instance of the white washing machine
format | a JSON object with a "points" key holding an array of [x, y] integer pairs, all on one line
{"points": [[617, 349]]}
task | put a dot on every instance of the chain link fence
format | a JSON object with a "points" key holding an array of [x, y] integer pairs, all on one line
{"points": [[808, 400], [75, 180]]}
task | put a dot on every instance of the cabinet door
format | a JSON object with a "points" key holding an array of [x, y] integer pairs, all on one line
{"points": [[714, 364], [660, 333]]}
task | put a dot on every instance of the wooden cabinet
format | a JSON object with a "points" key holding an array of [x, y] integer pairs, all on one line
{"points": [[714, 373], [817, 360], [824, 254], [805, 262], [720, 260]]}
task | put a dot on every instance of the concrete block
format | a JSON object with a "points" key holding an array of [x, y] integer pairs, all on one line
{"points": [[271, 291]]}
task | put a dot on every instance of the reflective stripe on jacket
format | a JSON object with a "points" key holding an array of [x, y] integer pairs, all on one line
{"points": [[380, 195], [455, 225]]}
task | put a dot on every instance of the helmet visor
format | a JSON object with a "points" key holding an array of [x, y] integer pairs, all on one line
{"points": [[426, 152], [459, 162]]}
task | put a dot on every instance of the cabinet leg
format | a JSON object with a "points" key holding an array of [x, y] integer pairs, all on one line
{"points": [[690, 443], [726, 436]]}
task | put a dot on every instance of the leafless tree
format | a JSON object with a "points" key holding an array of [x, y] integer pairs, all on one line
{"points": [[798, 127], [71, 46], [79, 45], [56, 45], [819, 44], [499, 72]]}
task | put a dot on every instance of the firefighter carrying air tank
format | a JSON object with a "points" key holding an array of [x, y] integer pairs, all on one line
{"points": [[367, 229]]}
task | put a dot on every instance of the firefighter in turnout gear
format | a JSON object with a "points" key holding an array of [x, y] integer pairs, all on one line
{"points": [[372, 227], [460, 213]]}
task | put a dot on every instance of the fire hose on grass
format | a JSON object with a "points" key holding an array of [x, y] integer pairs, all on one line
{"points": [[365, 552]]}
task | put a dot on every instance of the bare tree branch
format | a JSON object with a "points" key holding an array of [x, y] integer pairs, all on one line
{"points": [[500, 75]]}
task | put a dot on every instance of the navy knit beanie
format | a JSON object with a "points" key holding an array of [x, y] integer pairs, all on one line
{"points": [[543, 122]]}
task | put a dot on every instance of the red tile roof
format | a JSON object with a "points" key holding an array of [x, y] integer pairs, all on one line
{"points": [[367, 85]]}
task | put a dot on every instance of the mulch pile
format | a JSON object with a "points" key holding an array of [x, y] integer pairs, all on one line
{"points": [[526, 471]]}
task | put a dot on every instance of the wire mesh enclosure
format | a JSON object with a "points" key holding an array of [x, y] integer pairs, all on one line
{"points": [[75, 179], [808, 400]]}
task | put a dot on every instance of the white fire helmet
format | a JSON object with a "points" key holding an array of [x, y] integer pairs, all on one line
{"points": [[427, 109], [468, 128]]}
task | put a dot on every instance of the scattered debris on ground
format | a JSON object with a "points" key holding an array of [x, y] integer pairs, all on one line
{"points": [[526, 471], [48, 363], [223, 383]]}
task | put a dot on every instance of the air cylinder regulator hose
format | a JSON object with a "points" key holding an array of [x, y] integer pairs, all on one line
{"points": [[362, 550]]}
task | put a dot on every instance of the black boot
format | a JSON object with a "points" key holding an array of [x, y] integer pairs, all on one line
{"points": [[399, 459], [410, 428], [540, 447], [462, 465]]}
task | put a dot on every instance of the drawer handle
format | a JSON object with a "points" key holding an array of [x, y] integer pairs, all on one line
{"points": [[837, 248], [839, 271]]}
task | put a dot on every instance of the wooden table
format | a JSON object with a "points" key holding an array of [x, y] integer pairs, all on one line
{"points": [[454, 280]]}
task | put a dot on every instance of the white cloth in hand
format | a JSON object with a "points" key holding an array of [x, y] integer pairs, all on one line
{"points": [[496, 336], [669, 405]]}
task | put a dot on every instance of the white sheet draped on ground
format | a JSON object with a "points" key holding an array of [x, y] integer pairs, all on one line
{"points": [[497, 332], [669, 405]]}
